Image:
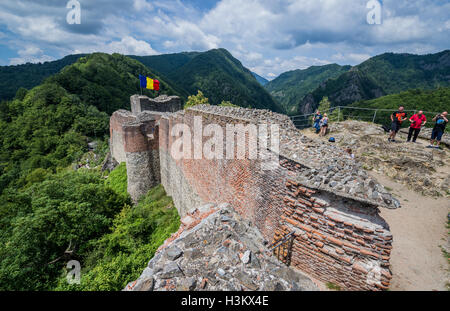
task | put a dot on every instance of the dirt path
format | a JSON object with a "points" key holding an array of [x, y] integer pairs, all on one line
{"points": [[419, 230]]}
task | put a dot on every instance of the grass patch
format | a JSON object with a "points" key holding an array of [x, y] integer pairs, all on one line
{"points": [[117, 180], [333, 286]]}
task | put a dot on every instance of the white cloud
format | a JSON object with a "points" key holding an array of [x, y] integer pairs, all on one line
{"points": [[268, 36], [350, 58], [400, 29], [130, 46], [29, 51], [30, 59], [142, 5], [182, 33]]}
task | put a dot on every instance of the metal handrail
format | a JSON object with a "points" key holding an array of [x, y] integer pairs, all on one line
{"points": [[359, 108], [283, 248], [303, 121]]}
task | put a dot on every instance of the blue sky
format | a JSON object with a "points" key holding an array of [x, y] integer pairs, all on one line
{"points": [[268, 36]]}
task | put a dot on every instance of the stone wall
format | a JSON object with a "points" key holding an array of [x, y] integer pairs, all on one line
{"points": [[316, 191], [117, 145], [162, 103], [216, 250], [135, 140]]}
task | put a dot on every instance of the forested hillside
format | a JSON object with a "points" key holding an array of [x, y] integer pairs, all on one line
{"points": [[261, 80], [382, 75], [216, 73], [292, 86], [47, 127], [51, 210], [30, 75]]}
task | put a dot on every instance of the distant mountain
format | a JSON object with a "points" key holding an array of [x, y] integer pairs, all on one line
{"points": [[216, 73], [30, 75], [261, 80], [48, 126], [292, 86], [382, 75], [107, 81]]}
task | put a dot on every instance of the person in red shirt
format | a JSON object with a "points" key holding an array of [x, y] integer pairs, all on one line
{"points": [[417, 122]]}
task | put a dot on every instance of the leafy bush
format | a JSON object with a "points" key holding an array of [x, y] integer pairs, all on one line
{"points": [[195, 100], [50, 223], [120, 256], [117, 180]]}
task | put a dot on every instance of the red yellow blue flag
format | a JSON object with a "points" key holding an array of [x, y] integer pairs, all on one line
{"points": [[148, 83]]}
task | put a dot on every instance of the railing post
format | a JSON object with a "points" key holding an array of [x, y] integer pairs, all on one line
{"points": [[339, 114], [374, 116]]}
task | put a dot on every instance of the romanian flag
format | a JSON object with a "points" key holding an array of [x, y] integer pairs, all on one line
{"points": [[147, 83]]}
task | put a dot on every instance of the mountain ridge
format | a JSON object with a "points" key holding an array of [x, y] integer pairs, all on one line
{"points": [[219, 75], [385, 74], [290, 87]]}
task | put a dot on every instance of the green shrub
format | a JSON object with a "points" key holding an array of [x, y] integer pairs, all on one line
{"points": [[195, 100], [120, 256], [117, 180]]}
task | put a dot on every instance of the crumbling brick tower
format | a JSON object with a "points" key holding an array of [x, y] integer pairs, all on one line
{"points": [[135, 140]]}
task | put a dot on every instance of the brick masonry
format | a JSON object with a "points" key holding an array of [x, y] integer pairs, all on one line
{"points": [[339, 237]]}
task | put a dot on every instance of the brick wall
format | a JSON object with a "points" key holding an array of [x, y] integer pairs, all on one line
{"points": [[117, 144], [337, 239]]}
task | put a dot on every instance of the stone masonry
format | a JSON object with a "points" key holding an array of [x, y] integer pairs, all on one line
{"points": [[317, 191], [162, 103], [215, 249]]}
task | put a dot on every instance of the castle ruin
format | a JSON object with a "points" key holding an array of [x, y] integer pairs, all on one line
{"points": [[317, 192]]}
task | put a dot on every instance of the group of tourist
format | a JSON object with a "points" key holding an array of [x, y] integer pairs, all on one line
{"points": [[320, 123], [418, 121]]}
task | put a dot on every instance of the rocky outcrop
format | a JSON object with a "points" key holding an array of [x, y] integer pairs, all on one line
{"points": [[421, 169], [216, 249], [426, 134]]}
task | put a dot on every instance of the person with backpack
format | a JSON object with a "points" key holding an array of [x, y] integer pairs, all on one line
{"points": [[324, 125], [439, 129], [316, 119], [418, 121], [397, 119]]}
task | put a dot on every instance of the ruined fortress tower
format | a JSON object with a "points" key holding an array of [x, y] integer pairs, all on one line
{"points": [[317, 193]]}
